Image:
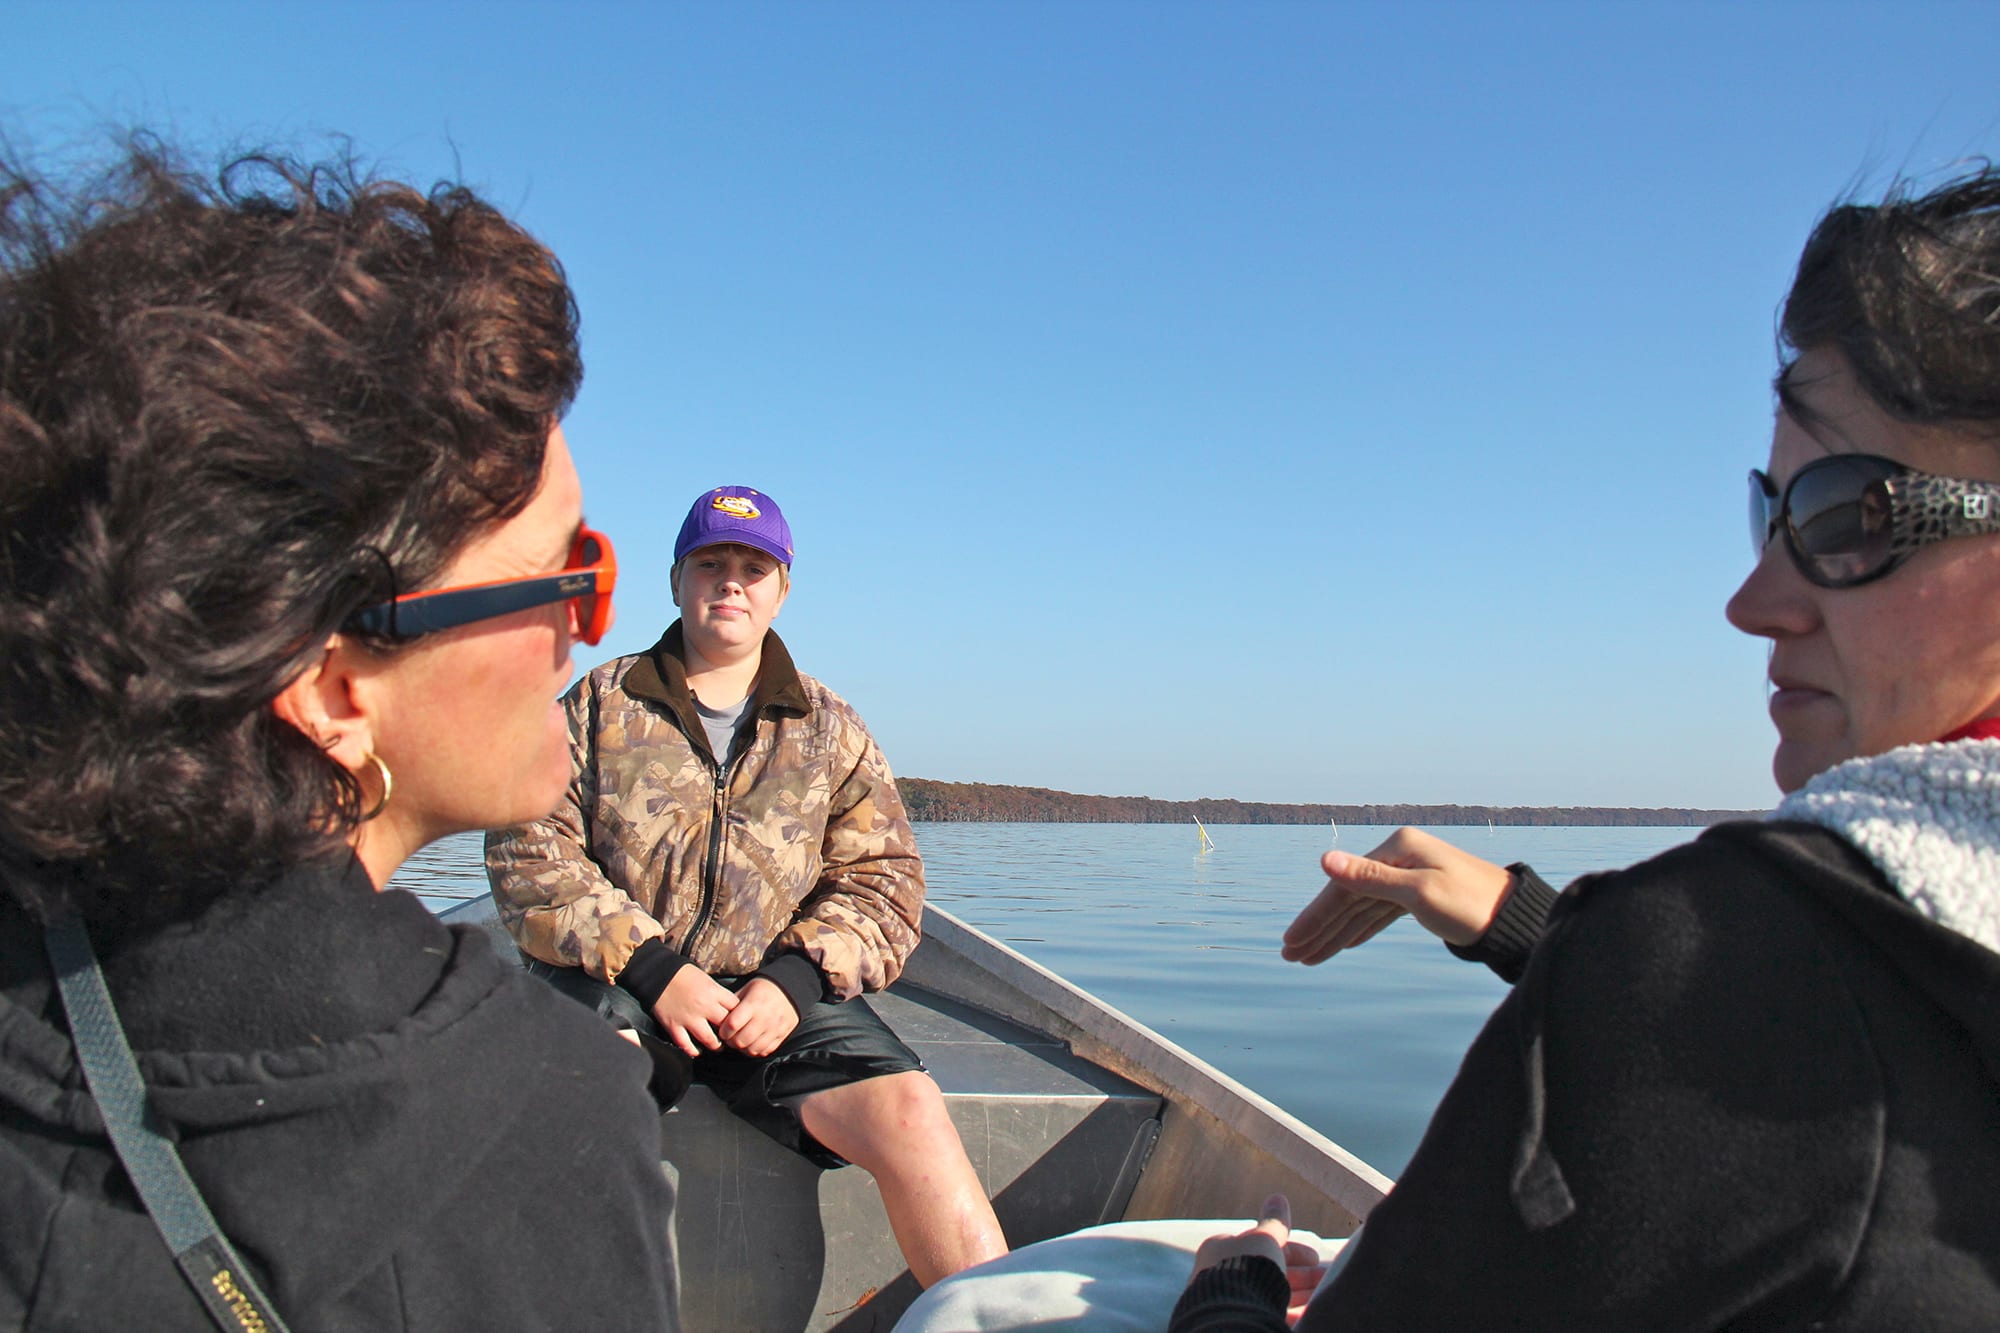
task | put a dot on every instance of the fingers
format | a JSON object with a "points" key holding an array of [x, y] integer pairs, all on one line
{"points": [[1351, 882], [1367, 930], [1255, 1241], [702, 1027], [1303, 1269], [1336, 920], [1325, 913], [1298, 1254], [1365, 926], [694, 1029], [752, 1009], [691, 1007], [761, 1021], [751, 1034], [1453, 895]]}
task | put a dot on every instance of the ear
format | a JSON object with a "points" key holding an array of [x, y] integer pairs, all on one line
{"points": [[674, 582], [320, 701], [784, 591]]}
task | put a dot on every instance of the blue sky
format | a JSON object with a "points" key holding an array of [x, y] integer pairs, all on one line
{"points": [[1282, 401]]}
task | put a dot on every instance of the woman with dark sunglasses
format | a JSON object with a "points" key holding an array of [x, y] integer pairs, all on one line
{"points": [[1755, 1082], [292, 559]]}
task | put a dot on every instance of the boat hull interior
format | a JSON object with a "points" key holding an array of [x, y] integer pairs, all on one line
{"points": [[1072, 1114]]}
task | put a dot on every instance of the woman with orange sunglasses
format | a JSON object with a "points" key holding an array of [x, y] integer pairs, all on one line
{"points": [[292, 561]]}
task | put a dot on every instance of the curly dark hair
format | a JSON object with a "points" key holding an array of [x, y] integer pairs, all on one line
{"points": [[1909, 291], [232, 410]]}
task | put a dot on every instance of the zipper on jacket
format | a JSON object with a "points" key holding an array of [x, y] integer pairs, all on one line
{"points": [[711, 871]]}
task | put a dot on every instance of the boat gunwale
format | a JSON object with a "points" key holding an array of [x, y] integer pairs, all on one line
{"points": [[1106, 1036]]}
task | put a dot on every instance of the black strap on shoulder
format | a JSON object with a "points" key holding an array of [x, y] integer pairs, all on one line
{"points": [[206, 1258]]}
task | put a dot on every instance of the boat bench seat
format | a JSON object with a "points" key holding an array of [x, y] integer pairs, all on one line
{"points": [[769, 1242]]}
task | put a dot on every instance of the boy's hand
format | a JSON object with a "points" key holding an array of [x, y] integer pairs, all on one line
{"points": [[761, 1020], [690, 1008]]}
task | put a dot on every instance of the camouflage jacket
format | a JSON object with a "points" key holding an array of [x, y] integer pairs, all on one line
{"points": [[800, 845]]}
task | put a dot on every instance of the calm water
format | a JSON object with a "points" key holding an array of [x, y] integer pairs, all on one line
{"points": [[1361, 1047]]}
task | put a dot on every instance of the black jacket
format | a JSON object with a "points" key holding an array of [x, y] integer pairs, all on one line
{"points": [[396, 1130], [1740, 1086]]}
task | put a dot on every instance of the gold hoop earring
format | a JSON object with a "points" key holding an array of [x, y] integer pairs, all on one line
{"points": [[388, 785]]}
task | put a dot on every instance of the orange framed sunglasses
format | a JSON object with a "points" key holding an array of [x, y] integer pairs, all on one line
{"points": [[585, 583]]}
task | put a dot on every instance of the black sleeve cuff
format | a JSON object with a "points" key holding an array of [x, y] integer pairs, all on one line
{"points": [[649, 969], [798, 977], [1517, 926], [1244, 1291]]}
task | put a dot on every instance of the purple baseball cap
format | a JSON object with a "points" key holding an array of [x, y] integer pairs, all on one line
{"points": [[736, 514]]}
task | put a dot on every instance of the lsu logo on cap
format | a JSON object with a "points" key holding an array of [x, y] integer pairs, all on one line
{"points": [[737, 506]]}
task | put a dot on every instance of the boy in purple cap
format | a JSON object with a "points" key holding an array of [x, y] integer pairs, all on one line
{"points": [[734, 856]]}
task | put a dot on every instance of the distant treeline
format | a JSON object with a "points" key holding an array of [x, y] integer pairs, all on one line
{"points": [[980, 802]]}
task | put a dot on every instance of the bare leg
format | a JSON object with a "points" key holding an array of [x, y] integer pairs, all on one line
{"points": [[896, 1128]]}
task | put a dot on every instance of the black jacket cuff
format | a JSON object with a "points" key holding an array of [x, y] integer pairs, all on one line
{"points": [[798, 977], [1244, 1291], [649, 969], [1517, 926]]}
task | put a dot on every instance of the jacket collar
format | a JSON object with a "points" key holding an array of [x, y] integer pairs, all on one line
{"points": [[1929, 816], [661, 677]]}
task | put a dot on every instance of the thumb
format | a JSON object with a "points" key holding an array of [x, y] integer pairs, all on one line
{"points": [[1371, 878], [1276, 1218]]}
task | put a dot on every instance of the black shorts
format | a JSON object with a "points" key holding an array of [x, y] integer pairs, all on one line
{"points": [[833, 1045]]}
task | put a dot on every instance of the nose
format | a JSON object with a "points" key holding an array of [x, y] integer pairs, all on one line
{"points": [[1774, 600]]}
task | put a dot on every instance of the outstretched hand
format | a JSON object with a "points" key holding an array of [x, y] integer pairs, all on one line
{"points": [[1271, 1239], [1453, 894]]}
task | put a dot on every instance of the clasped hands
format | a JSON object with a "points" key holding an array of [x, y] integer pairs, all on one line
{"points": [[697, 1011]]}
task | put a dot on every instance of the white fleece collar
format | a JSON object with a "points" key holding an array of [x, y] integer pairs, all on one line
{"points": [[1929, 816]]}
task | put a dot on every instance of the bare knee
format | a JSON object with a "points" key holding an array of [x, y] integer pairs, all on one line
{"points": [[877, 1120], [911, 1102]]}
